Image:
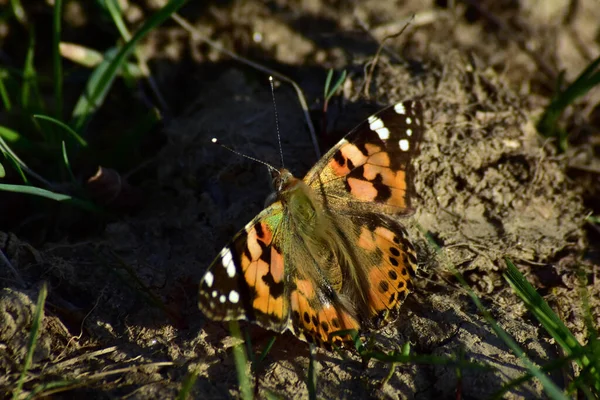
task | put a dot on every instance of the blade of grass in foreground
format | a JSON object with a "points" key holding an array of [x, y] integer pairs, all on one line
{"points": [[550, 387], [187, 385], [33, 336], [548, 123], [8, 153], [241, 361], [90, 99], [35, 191], [553, 325], [66, 127], [56, 59], [31, 99], [4, 91]]}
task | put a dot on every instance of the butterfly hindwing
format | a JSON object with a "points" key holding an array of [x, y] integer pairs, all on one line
{"points": [[316, 315], [392, 265]]}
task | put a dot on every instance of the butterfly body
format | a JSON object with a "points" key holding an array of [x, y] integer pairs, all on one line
{"points": [[327, 254]]}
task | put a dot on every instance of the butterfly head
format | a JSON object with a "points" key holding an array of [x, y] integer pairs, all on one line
{"points": [[282, 179]]}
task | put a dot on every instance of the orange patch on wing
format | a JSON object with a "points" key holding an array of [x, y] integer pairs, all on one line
{"points": [[372, 148], [253, 239], [352, 153], [317, 324], [380, 289], [387, 281], [277, 267], [381, 159], [306, 288], [263, 301], [362, 189], [384, 234], [338, 169], [366, 240], [331, 320], [388, 177], [397, 198]]}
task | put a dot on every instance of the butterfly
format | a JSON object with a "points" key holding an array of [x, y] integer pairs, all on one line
{"points": [[328, 253]]}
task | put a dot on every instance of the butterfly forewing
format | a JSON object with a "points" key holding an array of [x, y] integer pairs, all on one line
{"points": [[371, 166], [246, 280]]}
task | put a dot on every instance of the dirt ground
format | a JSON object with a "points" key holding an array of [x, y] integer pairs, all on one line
{"points": [[122, 306]]}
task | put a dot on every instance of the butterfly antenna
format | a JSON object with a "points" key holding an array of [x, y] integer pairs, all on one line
{"points": [[271, 168], [276, 120]]}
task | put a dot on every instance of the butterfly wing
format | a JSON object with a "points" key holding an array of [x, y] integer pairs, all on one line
{"points": [[365, 180], [370, 168], [264, 277], [246, 280], [318, 311], [391, 263]]}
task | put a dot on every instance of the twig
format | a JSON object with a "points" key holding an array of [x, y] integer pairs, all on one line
{"points": [[198, 36], [378, 53], [12, 268]]}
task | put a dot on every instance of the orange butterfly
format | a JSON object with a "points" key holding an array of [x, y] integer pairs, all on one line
{"points": [[327, 254]]}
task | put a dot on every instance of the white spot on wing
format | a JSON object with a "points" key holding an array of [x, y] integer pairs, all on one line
{"points": [[408, 121], [227, 260], [222, 298], [234, 297], [375, 123], [408, 132], [226, 256], [404, 145], [399, 108], [231, 270], [209, 278], [214, 293], [384, 133]]}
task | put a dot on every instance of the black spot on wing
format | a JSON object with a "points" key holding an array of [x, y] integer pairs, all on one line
{"points": [[276, 289], [383, 191]]}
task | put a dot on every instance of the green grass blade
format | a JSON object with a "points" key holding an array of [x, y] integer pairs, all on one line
{"points": [[549, 367], [45, 390], [35, 191], [98, 90], [18, 11], [330, 92], [114, 9], [33, 336], [327, 83], [66, 127], [2, 171], [187, 385], [241, 361], [550, 321], [3, 91], [267, 349], [549, 387], [67, 163], [589, 78], [8, 153], [57, 61], [542, 311], [29, 75]]}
